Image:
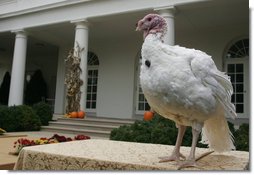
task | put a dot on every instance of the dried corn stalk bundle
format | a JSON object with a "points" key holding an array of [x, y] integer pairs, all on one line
{"points": [[72, 79]]}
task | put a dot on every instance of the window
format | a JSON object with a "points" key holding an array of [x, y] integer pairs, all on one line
{"points": [[141, 104], [92, 81], [236, 65], [239, 49], [92, 60], [236, 73]]}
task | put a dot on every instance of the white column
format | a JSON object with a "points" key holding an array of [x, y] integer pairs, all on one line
{"points": [[59, 107], [81, 38], [168, 13], [18, 69]]}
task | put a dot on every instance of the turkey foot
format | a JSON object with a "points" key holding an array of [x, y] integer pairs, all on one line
{"points": [[173, 157], [176, 155], [193, 163], [186, 164]]}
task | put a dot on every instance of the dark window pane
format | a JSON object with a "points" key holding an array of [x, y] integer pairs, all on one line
{"points": [[239, 77], [89, 88], [231, 68], [89, 81], [232, 77], [233, 87], [239, 68], [95, 81], [95, 73], [246, 42], [141, 97], [94, 88], [233, 49], [141, 106], [239, 44], [247, 51], [94, 97], [88, 105], [239, 108], [88, 97], [90, 73], [239, 87], [93, 105], [233, 98], [147, 107], [239, 98]]}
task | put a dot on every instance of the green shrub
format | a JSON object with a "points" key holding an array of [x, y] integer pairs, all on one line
{"points": [[43, 110], [160, 130], [4, 113], [242, 138], [19, 118]]}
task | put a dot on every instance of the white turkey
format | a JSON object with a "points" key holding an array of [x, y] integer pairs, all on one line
{"points": [[185, 86]]}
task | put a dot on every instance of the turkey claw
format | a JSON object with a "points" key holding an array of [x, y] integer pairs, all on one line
{"points": [[187, 164], [171, 158]]}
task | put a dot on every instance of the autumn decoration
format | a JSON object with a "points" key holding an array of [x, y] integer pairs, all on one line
{"points": [[148, 115], [72, 79], [24, 142], [73, 114], [81, 114]]}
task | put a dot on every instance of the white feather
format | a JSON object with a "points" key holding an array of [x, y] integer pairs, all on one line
{"points": [[185, 86]]}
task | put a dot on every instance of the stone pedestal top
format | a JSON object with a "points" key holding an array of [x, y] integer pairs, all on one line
{"points": [[115, 155]]}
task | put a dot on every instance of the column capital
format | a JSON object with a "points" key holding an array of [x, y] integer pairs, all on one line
{"points": [[166, 11], [21, 33], [81, 23]]}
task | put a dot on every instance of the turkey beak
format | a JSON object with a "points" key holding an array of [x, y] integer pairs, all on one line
{"points": [[138, 25]]}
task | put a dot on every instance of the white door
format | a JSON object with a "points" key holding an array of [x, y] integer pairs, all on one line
{"points": [[238, 70]]}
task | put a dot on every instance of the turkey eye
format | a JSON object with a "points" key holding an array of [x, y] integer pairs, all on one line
{"points": [[149, 19], [148, 63]]}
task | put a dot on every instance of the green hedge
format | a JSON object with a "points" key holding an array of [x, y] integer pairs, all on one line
{"points": [[242, 138], [25, 118], [163, 131], [43, 110], [19, 118], [158, 130]]}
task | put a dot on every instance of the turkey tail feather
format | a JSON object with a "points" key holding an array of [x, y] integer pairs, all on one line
{"points": [[216, 133], [225, 83]]}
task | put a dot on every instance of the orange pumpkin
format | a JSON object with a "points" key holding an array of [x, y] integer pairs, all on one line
{"points": [[81, 114], [148, 115], [74, 114]]}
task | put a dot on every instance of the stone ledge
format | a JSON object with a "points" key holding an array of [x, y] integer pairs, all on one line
{"points": [[114, 155]]}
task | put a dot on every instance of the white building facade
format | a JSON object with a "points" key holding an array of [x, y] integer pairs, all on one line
{"points": [[37, 34]]}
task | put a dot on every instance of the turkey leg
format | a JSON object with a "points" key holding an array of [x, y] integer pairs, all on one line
{"points": [[176, 155], [191, 161]]}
